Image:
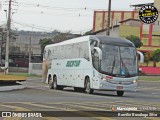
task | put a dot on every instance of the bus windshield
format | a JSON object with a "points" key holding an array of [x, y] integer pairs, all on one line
{"points": [[118, 60]]}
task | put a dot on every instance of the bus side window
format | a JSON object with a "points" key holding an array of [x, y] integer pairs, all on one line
{"points": [[84, 50], [68, 54]]}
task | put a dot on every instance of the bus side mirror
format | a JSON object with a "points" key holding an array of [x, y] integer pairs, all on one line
{"points": [[141, 56], [96, 57], [99, 52]]}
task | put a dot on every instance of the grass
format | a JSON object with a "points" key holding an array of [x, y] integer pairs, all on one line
{"points": [[149, 78]]}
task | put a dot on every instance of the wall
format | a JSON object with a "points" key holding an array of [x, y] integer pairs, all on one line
{"points": [[100, 18], [21, 44], [126, 30], [35, 68], [150, 70]]}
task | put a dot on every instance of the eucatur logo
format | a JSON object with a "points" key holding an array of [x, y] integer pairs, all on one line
{"points": [[148, 14]]}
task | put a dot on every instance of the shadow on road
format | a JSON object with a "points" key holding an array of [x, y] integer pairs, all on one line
{"points": [[97, 93], [3, 84]]}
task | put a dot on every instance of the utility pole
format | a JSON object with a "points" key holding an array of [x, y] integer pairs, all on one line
{"points": [[30, 56], [30, 50], [109, 15], [8, 38]]}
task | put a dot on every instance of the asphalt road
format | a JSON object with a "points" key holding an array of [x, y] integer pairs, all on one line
{"points": [[38, 97]]}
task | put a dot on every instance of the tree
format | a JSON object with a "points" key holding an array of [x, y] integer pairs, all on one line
{"points": [[59, 37], [156, 56], [135, 40], [147, 57], [44, 42]]}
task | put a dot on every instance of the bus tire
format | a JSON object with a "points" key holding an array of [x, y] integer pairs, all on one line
{"points": [[50, 82], [88, 89], [55, 83], [120, 93], [55, 86]]}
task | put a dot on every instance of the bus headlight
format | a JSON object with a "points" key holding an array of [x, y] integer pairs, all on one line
{"points": [[134, 81]]}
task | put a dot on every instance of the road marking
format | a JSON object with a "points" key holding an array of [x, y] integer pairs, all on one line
{"points": [[15, 108], [86, 107], [69, 109], [95, 104]]}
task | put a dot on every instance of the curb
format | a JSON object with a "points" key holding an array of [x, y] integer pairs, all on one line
{"points": [[14, 87]]}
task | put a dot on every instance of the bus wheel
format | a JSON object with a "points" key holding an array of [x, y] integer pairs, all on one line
{"points": [[88, 89], [50, 83], [120, 93], [55, 86], [55, 83]]}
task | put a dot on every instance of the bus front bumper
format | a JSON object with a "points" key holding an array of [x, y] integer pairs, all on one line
{"points": [[117, 87]]}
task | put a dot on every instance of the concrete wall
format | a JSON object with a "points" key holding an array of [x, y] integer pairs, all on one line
{"points": [[100, 18], [35, 68], [21, 44], [126, 30]]}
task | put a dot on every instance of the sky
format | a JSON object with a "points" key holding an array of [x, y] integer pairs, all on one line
{"points": [[63, 15]]}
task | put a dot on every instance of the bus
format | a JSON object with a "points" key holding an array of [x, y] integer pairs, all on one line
{"points": [[89, 63]]}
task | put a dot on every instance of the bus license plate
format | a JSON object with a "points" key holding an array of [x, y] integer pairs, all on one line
{"points": [[119, 87]]}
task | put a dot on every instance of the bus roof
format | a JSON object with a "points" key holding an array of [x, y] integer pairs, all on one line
{"points": [[103, 40], [74, 40], [112, 40]]}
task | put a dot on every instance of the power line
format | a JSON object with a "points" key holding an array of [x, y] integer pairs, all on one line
{"points": [[55, 8], [44, 28], [33, 26], [54, 14]]}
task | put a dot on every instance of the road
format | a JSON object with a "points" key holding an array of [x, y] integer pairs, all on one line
{"points": [[38, 97]]}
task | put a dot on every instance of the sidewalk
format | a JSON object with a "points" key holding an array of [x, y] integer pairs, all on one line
{"points": [[8, 87]]}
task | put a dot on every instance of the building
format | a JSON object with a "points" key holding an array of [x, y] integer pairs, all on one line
{"points": [[129, 24], [19, 47], [23, 40]]}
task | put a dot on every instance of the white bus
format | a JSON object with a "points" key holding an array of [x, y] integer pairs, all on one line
{"points": [[91, 63]]}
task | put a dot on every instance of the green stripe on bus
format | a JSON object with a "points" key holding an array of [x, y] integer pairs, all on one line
{"points": [[73, 63]]}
